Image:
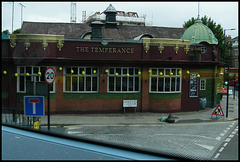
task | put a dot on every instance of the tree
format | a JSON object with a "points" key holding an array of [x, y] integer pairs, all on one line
{"points": [[217, 31], [6, 32], [17, 31]]}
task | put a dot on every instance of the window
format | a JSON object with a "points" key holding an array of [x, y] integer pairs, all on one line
{"points": [[81, 79], [236, 52], [23, 80], [123, 80], [203, 49], [202, 84], [165, 80]]}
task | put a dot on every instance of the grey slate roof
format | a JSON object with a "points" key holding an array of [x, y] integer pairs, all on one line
{"points": [[123, 32]]}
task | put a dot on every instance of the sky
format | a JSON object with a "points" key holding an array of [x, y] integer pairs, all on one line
{"points": [[163, 14]]}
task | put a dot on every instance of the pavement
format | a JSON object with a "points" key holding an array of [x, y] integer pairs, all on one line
{"points": [[144, 118]]}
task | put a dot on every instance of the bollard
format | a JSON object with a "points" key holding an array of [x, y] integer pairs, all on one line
{"points": [[36, 125]]}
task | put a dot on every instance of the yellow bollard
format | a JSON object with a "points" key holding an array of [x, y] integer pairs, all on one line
{"points": [[36, 125]]}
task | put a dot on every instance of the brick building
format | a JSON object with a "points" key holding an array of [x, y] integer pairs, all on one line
{"points": [[98, 65]]}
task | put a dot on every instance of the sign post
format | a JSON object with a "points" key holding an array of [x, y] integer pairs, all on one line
{"points": [[49, 78]]}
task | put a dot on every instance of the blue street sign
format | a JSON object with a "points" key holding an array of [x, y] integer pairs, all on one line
{"points": [[34, 106]]}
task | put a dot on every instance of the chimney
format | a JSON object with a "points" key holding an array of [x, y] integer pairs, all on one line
{"points": [[96, 30]]}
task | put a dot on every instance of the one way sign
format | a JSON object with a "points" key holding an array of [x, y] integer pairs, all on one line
{"points": [[218, 111]]}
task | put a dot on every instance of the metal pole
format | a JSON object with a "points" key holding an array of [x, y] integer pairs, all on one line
{"points": [[21, 11], [227, 90], [12, 15], [234, 85], [48, 107]]}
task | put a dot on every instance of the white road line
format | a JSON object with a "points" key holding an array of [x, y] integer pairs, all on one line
{"points": [[216, 156], [218, 138], [221, 149], [69, 128], [74, 132], [222, 134], [205, 146], [228, 139], [231, 136], [228, 128], [189, 135], [225, 144]]}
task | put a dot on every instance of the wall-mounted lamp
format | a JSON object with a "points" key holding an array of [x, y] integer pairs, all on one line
{"points": [[4, 72]]}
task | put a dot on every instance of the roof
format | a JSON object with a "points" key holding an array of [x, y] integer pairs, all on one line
{"points": [[198, 32], [110, 8], [122, 32], [5, 36]]}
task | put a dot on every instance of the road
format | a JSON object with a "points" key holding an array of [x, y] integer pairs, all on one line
{"points": [[192, 140], [229, 148]]}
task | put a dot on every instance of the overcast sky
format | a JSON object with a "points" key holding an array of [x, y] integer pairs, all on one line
{"points": [[163, 14]]}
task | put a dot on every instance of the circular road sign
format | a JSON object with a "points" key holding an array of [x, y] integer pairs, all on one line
{"points": [[49, 75]]}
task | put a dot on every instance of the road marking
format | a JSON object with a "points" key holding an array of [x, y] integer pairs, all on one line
{"points": [[231, 136], [221, 149], [205, 146], [73, 132], [228, 139], [70, 128], [218, 138], [225, 144], [189, 135], [216, 156], [222, 134]]}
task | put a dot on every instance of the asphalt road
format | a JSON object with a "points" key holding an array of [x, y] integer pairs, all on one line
{"points": [[191, 140], [229, 148]]}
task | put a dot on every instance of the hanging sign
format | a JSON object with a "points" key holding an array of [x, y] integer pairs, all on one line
{"points": [[218, 111]]}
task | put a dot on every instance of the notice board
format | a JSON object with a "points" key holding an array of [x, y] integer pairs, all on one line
{"points": [[193, 90]]}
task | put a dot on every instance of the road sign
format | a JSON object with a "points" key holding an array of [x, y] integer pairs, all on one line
{"points": [[218, 111], [50, 75], [34, 106]]}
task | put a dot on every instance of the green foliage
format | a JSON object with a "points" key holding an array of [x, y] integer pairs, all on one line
{"points": [[6, 32], [17, 31], [217, 31]]}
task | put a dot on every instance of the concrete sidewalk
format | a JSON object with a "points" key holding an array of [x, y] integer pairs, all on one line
{"points": [[140, 118]]}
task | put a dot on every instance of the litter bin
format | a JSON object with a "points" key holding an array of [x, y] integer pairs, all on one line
{"points": [[203, 102]]}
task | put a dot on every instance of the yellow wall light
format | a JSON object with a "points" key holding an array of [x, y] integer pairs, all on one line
{"points": [[4, 72]]}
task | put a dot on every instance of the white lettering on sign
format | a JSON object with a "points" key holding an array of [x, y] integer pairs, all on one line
{"points": [[129, 103]]}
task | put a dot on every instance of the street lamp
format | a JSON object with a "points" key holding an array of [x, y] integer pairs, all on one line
{"points": [[227, 73]]}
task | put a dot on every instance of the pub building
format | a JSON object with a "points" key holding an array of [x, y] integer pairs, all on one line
{"points": [[99, 64]]}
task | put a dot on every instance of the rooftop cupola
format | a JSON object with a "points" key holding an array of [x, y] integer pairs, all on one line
{"points": [[96, 30], [198, 32], [110, 13]]}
